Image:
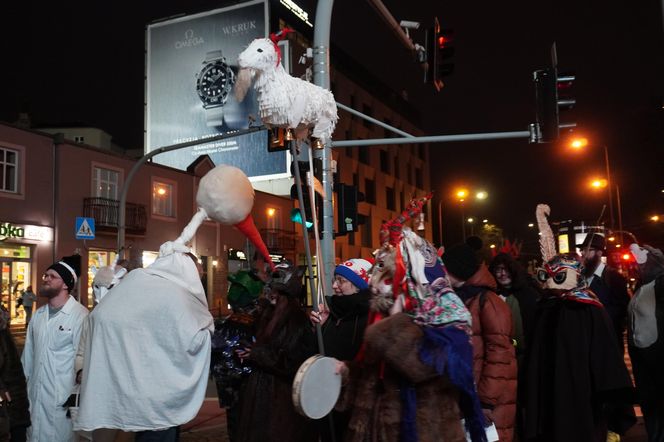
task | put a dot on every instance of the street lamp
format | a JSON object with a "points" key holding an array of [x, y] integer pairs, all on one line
{"points": [[461, 194], [580, 143]]}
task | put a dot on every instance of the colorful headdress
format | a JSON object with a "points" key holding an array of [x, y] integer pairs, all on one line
{"points": [[560, 273], [416, 272]]}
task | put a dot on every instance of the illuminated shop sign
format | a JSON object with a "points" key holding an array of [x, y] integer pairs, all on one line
{"points": [[297, 10], [25, 232]]}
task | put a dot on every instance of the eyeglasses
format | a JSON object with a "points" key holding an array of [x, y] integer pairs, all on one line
{"points": [[500, 269], [341, 280]]}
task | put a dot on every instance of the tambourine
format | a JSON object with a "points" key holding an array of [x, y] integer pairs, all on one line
{"points": [[316, 387]]}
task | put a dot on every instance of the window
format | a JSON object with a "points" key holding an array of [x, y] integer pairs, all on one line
{"points": [[370, 191], [363, 154], [384, 162], [387, 133], [163, 198], [351, 238], [368, 111], [418, 178], [273, 218], [79, 139], [9, 170], [397, 174], [356, 180], [423, 152], [105, 182], [389, 198], [366, 234]]}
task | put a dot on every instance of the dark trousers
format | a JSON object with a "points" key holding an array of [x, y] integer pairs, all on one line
{"points": [[168, 435], [28, 314]]}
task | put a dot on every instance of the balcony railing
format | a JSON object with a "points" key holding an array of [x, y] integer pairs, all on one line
{"points": [[105, 212], [278, 240]]}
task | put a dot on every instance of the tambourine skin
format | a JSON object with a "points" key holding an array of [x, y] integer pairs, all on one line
{"points": [[316, 387]]}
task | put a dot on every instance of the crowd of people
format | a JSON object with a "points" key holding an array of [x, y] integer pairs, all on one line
{"points": [[432, 345]]}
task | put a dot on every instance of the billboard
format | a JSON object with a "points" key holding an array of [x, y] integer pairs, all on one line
{"points": [[191, 68]]}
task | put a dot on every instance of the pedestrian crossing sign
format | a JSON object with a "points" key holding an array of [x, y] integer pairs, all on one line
{"points": [[85, 228]]}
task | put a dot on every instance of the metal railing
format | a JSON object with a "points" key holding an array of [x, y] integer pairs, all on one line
{"points": [[105, 211], [279, 240]]}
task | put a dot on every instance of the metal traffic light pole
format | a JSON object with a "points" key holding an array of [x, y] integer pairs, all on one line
{"points": [[321, 67]]}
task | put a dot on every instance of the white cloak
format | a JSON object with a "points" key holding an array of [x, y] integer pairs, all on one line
{"points": [[147, 355]]}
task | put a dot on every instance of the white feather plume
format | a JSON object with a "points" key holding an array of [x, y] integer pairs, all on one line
{"points": [[547, 242]]}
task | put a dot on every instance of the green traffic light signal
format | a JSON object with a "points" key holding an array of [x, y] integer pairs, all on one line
{"points": [[296, 217]]}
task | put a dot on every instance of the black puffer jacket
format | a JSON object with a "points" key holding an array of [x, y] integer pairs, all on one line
{"points": [[344, 329]]}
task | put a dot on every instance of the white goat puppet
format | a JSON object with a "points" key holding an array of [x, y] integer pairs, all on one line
{"points": [[283, 100]]}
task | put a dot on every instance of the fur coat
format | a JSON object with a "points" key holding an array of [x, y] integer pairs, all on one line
{"points": [[391, 364]]}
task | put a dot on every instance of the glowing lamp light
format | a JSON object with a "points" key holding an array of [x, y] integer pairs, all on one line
{"points": [[611, 238], [578, 143], [598, 183], [531, 225], [471, 220], [492, 246], [461, 194], [481, 195], [271, 211], [161, 191], [485, 221], [654, 218], [626, 256]]}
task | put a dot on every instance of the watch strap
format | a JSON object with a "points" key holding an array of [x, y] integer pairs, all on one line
{"points": [[213, 55], [214, 116]]}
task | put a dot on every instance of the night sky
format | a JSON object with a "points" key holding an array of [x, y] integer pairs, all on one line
{"points": [[83, 63]]}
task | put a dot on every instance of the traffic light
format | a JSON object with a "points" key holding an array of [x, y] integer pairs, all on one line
{"points": [[347, 199], [440, 51], [296, 216], [553, 94]]}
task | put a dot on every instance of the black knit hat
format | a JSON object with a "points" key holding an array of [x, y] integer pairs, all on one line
{"points": [[461, 261], [69, 269]]}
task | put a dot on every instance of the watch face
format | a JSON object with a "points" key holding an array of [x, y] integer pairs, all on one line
{"points": [[214, 83]]}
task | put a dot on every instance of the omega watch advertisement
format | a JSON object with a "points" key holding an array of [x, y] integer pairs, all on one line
{"points": [[191, 66]]}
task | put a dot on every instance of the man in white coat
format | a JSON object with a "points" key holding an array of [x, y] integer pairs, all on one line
{"points": [[50, 349]]}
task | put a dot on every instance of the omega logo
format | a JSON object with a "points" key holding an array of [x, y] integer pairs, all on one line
{"points": [[190, 40]]}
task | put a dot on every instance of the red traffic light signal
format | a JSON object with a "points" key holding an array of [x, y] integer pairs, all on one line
{"points": [[439, 53]]}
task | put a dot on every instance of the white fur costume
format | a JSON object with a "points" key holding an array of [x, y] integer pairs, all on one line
{"points": [[283, 100]]}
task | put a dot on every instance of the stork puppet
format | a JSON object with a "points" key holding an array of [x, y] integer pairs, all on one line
{"points": [[149, 338], [283, 100]]}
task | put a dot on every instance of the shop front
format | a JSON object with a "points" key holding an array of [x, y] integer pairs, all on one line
{"points": [[18, 251]]}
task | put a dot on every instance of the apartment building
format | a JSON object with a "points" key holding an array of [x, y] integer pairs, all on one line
{"points": [[47, 181]]}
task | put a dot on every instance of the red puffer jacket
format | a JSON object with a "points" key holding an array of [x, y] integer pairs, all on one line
{"points": [[494, 361]]}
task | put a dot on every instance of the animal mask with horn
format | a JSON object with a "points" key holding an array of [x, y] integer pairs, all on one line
{"points": [[388, 275]]}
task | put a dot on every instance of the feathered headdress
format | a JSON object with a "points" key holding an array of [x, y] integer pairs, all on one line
{"points": [[547, 242]]}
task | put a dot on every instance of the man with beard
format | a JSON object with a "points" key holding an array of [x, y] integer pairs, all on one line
{"points": [[50, 349], [343, 324], [609, 286]]}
